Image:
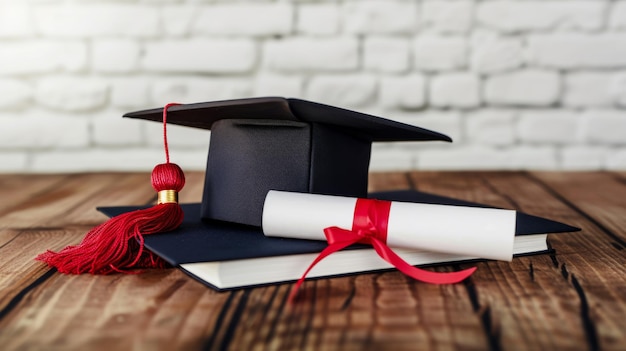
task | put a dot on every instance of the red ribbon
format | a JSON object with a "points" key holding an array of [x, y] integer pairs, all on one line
{"points": [[369, 226]]}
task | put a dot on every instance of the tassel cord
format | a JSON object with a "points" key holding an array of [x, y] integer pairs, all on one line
{"points": [[118, 244]]}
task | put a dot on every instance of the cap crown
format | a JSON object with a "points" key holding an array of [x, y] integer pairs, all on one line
{"points": [[266, 144]]}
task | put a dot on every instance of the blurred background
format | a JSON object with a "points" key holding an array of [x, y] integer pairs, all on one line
{"points": [[517, 84]]}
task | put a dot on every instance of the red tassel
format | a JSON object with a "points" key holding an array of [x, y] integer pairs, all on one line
{"points": [[117, 245]]}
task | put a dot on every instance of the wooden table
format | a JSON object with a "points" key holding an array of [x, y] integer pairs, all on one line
{"points": [[574, 299]]}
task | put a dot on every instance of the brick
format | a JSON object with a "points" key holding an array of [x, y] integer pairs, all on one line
{"points": [[404, 92], [250, 19], [71, 93], [25, 57], [616, 160], [97, 20], [129, 93], [124, 159], [14, 162], [318, 19], [617, 88], [115, 55], [579, 157], [110, 129], [572, 50], [278, 85], [533, 158], [386, 54], [497, 54], [446, 122], [531, 87], [617, 15], [460, 90], [311, 54], [200, 56], [176, 20], [97, 160], [342, 90], [380, 17], [193, 89], [481, 157], [15, 93], [462, 158], [36, 129], [181, 137], [439, 53], [16, 20], [491, 126], [447, 16], [549, 127], [190, 159], [515, 16], [605, 127], [587, 89], [385, 159]]}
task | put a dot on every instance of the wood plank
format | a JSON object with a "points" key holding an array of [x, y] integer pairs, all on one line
{"points": [[526, 302], [599, 296], [73, 201], [599, 195], [596, 263], [379, 181], [52, 221], [364, 312], [194, 187], [16, 189], [562, 301], [18, 268], [154, 310]]}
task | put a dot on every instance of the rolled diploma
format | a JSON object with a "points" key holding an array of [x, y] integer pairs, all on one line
{"points": [[468, 231]]}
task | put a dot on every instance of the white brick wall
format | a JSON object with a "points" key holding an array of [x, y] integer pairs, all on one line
{"points": [[305, 54], [518, 84], [199, 55], [40, 56], [71, 93], [460, 90], [577, 50], [95, 20], [439, 53], [539, 15], [252, 19], [318, 19], [529, 87]]}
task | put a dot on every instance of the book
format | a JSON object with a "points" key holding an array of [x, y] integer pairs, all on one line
{"points": [[229, 256]]}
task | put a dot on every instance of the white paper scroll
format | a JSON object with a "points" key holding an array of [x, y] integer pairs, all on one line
{"points": [[475, 232]]}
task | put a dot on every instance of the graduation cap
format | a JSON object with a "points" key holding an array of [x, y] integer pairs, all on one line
{"points": [[256, 145], [273, 143]]}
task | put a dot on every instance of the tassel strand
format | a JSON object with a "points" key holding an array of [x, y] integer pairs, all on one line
{"points": [[118, 244]]}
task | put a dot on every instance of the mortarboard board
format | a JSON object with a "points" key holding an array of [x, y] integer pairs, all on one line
{"points": [[274, 143]]}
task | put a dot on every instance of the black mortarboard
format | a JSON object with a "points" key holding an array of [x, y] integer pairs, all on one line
{"points": [[261, 144]]}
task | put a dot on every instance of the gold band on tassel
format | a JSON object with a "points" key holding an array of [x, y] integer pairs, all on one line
{"points": [[167, 196]]}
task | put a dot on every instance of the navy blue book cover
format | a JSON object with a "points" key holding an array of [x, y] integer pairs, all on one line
{"points": [[208, 241]]}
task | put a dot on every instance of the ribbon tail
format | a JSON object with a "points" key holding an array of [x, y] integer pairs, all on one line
{"points": [[420, 274], [331, 248]]}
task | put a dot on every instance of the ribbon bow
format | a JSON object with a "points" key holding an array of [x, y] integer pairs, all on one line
{"points": [[369, 226]]}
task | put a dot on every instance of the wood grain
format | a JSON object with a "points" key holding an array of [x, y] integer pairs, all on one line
{"points": [[19, 189], [568, 276], [572, 299], [59, 212]]}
